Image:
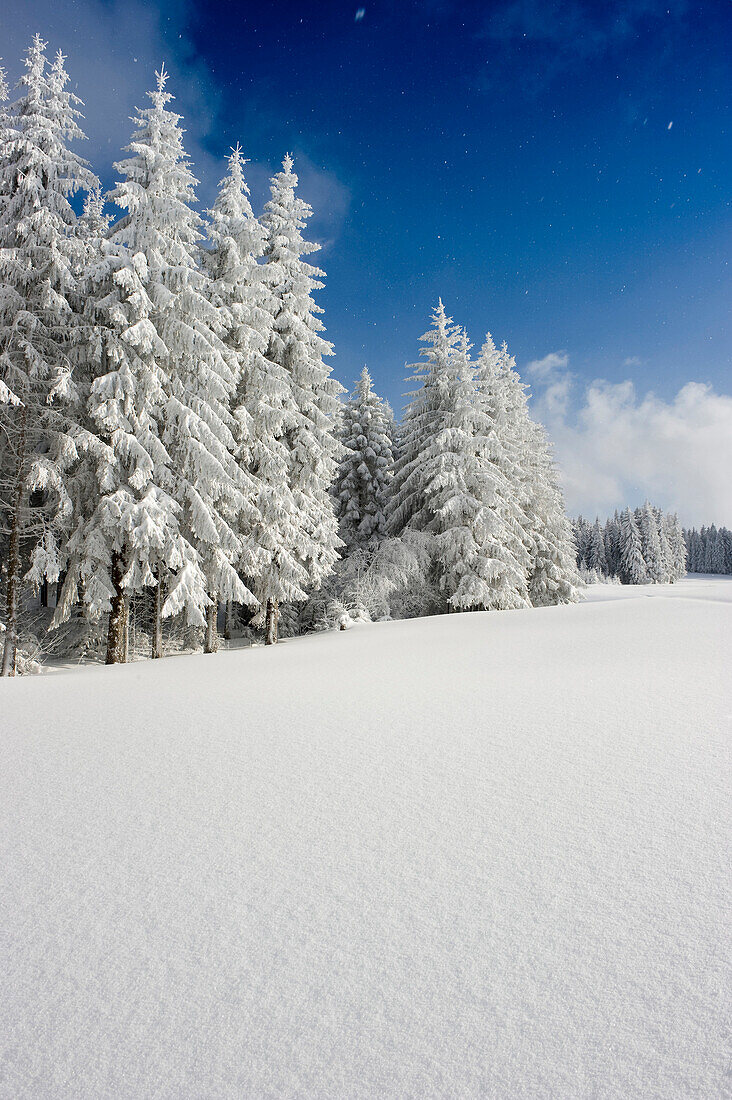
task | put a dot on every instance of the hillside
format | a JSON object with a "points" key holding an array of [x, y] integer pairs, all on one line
{"points": [[482, 855]]}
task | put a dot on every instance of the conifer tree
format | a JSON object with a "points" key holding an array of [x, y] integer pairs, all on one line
{"points": [[674, 536], [662, 526], [301, 526], [596, 559], [263, 405], [651, 544], [161, 402], [362, 483], [502, 398], [632, 566], [611, 537], [447, 483], [547, 534], [38, 255], [582, 532], [553, 578]]}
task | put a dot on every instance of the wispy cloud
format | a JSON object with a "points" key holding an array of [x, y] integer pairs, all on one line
{"points": [[113, 49], [615, 446], [560, 34]]}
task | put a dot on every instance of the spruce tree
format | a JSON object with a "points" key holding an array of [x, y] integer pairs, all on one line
{"points": [[447, 483], [361, 488], [302, 527], [547, 534], [611, 537], [651, 545], [39, 245], [596, 557], [263, 406], [632, 565], [674, 535], [169, 492]]}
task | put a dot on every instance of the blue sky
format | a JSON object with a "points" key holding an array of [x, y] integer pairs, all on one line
{"points": [[557, 171]]}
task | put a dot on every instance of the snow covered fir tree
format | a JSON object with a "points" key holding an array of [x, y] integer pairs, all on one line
{"points": [[709, 550], [636, 546], [177, 456], [363, 480]]}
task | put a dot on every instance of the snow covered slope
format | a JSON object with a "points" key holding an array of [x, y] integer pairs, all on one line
{"points": [[484, 855]]}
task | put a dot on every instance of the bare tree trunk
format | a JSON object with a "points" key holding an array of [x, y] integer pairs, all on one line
{"points": [[117, 616], [157, 632], [229, 621], [11, 625], [211, 641], [126, 634], [272, 621]]}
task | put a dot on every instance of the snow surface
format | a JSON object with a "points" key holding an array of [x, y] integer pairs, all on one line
{"points": [[484, 855]]}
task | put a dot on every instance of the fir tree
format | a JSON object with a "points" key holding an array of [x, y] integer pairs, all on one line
{"points": [[651, 545], [447, 483], [611, 537], [38, 258], [263, 405], [361, 487], [632, 566], [161, 402], [302, 527], [596, 557]]}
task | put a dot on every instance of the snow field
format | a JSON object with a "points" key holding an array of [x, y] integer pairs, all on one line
{"points": [[481, 855]]}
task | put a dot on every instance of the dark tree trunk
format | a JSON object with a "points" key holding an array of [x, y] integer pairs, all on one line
{"points": [[229, 621], [271, 622], [126, 634], [116, 642], [157, 631], [10, 647], [211, 641]]}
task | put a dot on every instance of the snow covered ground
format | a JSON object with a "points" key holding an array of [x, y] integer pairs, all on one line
{"points": [[483, 855]]}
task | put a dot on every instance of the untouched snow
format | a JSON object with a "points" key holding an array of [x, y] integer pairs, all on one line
{"points": [[484, 855]]}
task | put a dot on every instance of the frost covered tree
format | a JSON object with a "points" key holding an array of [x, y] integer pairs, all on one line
{"points": [[596, 556], [582, 532], [674, 538], [300, 530], [553, 578], [546, 532], [632, 565], [263, 405], [161, 400], [39, 243], [611, 537], [447, 482], [361, 488], [653, 557]]}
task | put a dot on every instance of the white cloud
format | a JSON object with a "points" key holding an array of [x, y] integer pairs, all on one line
{"points": [[616, 447], [551, 364], [552, 372]]}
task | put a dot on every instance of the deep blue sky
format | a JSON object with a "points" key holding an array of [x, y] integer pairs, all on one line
{"points": [[514, 158], [558, 171]]}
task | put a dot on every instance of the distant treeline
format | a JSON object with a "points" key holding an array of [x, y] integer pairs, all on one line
{"points": [[641, 546], [709, 550]]}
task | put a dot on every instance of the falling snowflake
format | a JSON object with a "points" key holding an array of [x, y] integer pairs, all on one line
{"points": [[359, 15]]}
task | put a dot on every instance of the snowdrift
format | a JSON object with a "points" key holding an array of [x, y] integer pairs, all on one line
{"points": [[483, 855]]}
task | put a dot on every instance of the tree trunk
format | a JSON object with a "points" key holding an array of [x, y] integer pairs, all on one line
{"points": [[157, 631], [272, 621], [117, 616], [10, 647], [126, 632], [229, 621], [211, 641]]}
